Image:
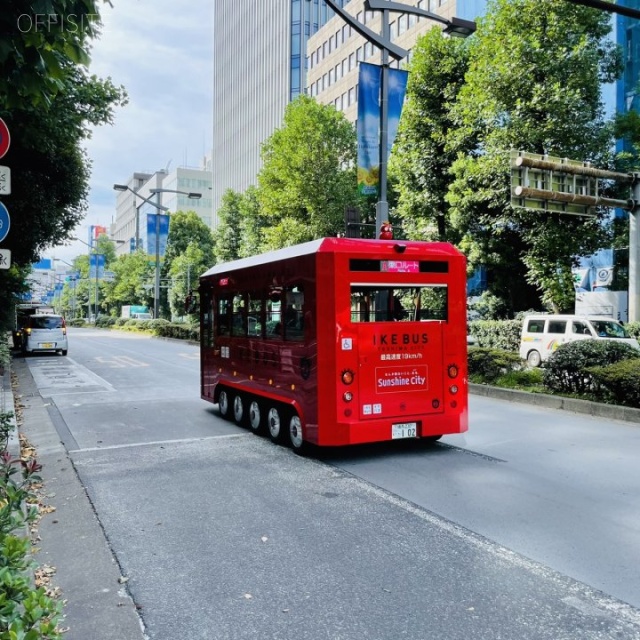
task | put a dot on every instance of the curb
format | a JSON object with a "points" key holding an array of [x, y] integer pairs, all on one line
{"points": [[7, 405], [574, 405]]}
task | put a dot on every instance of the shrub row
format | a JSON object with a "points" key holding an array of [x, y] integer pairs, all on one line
{"points": [[26, 612], [497, 334], [595, 370]]}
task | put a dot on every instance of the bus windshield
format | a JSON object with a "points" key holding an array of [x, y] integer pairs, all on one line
{"points": [[398, 303]]}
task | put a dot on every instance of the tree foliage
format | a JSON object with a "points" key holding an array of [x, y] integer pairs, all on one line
{"points": [[533, 84], [227, 234], [308, 174], [421, 158], [38, 43], [49, 103]]}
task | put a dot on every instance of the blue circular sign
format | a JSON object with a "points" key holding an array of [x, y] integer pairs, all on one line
{"points": [[5, 222]]}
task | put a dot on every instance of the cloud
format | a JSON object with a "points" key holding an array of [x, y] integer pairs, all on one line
{"points": [[162, 53]]}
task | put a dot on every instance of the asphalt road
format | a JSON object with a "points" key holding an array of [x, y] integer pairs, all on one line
{"points": [[526, 527]]}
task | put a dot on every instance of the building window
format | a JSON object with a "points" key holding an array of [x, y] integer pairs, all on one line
{"points": [[352, 96], [359, 54], [352, 61]]}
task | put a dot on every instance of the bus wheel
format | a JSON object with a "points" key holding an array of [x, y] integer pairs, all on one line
{"points": [[295, 434], [533, 359], [255, 416], [223, 404], [238, 409], [274, 422]]}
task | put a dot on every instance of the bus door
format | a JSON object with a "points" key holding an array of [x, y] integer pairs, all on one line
{"points": [[400, 350]]}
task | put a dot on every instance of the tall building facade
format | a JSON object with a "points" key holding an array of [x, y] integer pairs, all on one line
{"points": [[259, 66], [266, 54]]}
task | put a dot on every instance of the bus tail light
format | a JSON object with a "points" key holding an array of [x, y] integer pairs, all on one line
{"points": [[452, 370], [453, 388], [347, 376], [347, 396]]}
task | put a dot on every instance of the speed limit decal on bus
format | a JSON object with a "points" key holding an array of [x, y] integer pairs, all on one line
{"points": [[393, 379]]}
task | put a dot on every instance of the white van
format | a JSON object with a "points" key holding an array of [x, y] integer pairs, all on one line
{"points": [[46, 333], [542, 334]]}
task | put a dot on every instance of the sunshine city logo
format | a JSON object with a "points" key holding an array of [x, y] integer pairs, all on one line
{"points": [[72, 23]]}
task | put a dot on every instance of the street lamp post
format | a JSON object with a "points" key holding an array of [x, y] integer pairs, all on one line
{"points": [[137, 194], [96, 254], [159, 207], [454, 26]]}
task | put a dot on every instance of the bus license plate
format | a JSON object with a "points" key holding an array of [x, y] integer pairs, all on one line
{"points": [[46, 345], [404, 430]]}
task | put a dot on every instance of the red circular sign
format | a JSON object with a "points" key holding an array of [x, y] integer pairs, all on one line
{"points": [[5, 138]]}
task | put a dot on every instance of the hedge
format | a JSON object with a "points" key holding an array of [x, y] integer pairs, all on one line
{"points": [[487, 365], [567, 369], [497, 334], [618, 383]]}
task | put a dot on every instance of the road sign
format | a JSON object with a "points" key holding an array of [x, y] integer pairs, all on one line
{"points": [[5, 222], [5, 258], [545, 183], [5, 181], [5, 138]]}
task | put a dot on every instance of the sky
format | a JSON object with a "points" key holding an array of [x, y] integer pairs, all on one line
{"points": [[161, 51]]}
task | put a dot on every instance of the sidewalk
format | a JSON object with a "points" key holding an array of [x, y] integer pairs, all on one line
{"points": [[70, 539]]}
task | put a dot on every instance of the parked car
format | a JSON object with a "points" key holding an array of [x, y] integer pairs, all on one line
{"points": [[45, 333], [543, 334]]}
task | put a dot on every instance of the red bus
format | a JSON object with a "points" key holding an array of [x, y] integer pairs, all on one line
{"points": [[338, 341]]}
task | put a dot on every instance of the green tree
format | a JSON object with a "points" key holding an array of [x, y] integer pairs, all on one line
{"points": [[38, 42], [187, 228], [185, 271], [227, 234], [421, 160], [49, 103], [534, 84], [252, 224], [133, 283], [308, 174]]}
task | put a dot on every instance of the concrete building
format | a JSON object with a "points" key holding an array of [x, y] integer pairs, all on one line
{"points": [[335, 51], [131, 211]]}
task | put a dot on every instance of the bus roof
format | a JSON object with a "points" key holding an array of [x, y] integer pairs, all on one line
{"points": [[353, 246]]}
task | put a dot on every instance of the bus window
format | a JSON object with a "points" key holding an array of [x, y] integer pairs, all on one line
{"points": [[223, 317], [379, 303], [273, 315], [238, 326], [293, 318], [254, 319], [206, 334]]}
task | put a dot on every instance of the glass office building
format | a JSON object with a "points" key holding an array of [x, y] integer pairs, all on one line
{"points": [[258, 68]]}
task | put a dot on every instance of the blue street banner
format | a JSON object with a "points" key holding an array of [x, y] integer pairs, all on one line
{"points": [[368, 128], [163, 227], [96, 261], [369, 87]]}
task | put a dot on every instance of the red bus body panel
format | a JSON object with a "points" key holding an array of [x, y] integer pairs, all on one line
{"points": [[401, 370]]}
